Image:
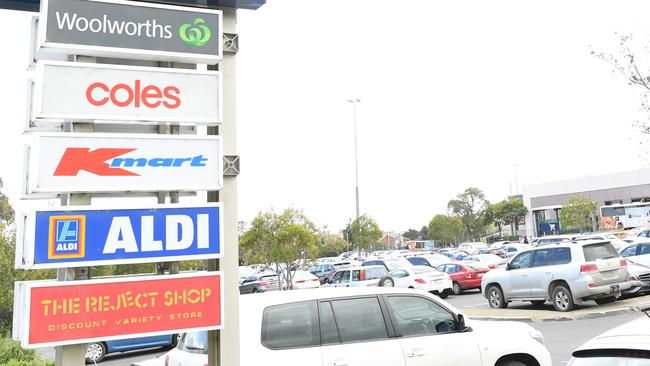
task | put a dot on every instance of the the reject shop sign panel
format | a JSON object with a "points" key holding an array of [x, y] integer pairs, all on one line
{"points": [[93, 92], [51, 313], [78, 162], [131, 29], [63, 237]]}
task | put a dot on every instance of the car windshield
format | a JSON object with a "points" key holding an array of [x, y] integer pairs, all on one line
{"points": [[194, 342], [393, 264], [594, 252]]}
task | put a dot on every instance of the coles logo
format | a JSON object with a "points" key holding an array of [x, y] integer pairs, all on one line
{"points": [[133, 95], [108, 162], [67, 237]]}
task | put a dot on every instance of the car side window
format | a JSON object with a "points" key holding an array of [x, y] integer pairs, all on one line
{"points": [[645, 249], [417, 316], [561, 256], [629, 251], [356, 275], [337, 277], [521, 261], [359, 319], [450, 268], [543, 257], [400, 274], [291, 325], [440, 268], [418, 261], [457, 268], [345, 277], [375, 273], [328, 332]]}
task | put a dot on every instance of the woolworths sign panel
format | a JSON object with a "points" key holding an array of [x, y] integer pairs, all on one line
{"points": [[114, 28]]}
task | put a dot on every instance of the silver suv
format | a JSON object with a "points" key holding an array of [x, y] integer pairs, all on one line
{"points": [[565, 274]]}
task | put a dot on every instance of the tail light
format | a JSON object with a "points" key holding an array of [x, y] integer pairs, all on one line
{"points": [[420, 281], [492, 266], [263, 283], [623, 263], [315, 280], [588, 268], [300, 281]]}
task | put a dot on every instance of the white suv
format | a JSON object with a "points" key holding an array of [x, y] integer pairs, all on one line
{"points": [[565, 274], [377, 326]]}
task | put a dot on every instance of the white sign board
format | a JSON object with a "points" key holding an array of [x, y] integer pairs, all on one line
{"points": [[115, 93], [78, 162]]}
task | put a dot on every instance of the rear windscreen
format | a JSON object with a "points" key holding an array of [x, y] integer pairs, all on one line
{"points": [[594, 252]]}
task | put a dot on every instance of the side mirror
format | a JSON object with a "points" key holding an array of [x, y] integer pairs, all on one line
{"points": [[508, 266], [461, 327]]}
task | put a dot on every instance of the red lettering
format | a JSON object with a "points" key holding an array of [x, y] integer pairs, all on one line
{"points": [[151, 92], [168, 94], [81, 158], [89, 94], [150, 95]]}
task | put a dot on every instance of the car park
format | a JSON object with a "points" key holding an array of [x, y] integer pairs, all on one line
{"points": [[360, 277], [96, 351], [565, 274], [251, 285], [463, 276], [626, 345], [432, 260], [423, 278]]}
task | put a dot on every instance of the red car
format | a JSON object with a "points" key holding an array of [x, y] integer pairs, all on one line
{"points": [[463, 276]]}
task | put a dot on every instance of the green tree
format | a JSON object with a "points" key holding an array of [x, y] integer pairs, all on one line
{"points": [[577, 211], [365, 232], [330, 245], [445, 228], [470, 207], [506, 212], [411, 234], [280, 240], [424, 233]]}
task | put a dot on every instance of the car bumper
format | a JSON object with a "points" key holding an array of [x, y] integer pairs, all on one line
{"points": [[638, 287], [582, 290], [438, 286]]}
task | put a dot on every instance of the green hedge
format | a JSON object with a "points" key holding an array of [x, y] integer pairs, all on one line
{"points": [[12, 354]]}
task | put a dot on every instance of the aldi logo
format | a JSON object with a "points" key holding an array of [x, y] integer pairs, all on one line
{"points": [[67, 237]]}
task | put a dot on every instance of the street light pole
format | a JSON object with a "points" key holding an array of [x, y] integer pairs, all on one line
{"points": [[356, 162]]}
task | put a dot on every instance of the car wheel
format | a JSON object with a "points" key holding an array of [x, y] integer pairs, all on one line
{"points": [[255, 290], [495, 297], [387, 282], [562, 298], [457, 289], [605, 300], [444, 294], [538, 302], [95, 352], [511, 363]]}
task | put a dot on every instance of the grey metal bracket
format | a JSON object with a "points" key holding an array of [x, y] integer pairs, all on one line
{"points": [[231, 165], [230, 42]]}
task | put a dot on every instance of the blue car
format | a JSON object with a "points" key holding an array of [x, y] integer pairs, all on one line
{"points": [[95, 352]]}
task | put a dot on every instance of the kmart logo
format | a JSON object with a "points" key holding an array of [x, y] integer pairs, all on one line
{"points": [[197, 34]]}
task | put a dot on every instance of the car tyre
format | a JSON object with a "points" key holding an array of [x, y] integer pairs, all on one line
{"points": [[386, 282], [255, 290], [605, 300], [562, 298], [496, 298], [457, 289], [445, 293], [95, 352]]}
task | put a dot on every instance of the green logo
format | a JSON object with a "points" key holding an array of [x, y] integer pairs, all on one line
{"points": [[195, 35]]}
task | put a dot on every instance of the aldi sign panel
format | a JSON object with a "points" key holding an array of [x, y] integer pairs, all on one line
{"points": [[51, 313], [95, 162], [87, 236], [131, 29], [94, 92]]}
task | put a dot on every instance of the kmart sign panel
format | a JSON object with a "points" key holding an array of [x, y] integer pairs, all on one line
{"points": [[131, 29], [60, 237]]}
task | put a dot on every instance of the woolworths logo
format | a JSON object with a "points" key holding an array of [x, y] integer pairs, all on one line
{"points": [[197, 34]]}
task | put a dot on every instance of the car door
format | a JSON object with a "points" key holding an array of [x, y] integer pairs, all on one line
{"points": [[427, 332], [516, 284], [354, 332], [540, 274]]}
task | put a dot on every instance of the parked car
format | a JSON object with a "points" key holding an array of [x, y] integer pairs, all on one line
{"points": [[304, 280], [471, 247], [271, 280], [325, 271], [627, 344], [251, 285], [432, 260], [491, 260], [640, 277], [638, 252], [192, 348], [551, 239], [513, 249], [455, 255], [390, 264], [96, 351], [616, 242], [463, 276], [499, 252], [360, 277], [565, 274], [423, 278]]}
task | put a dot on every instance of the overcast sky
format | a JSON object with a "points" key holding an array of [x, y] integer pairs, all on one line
{"points": [[454, 94]]}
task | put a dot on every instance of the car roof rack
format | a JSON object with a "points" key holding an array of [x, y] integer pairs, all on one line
{"points": [[645, 308]]}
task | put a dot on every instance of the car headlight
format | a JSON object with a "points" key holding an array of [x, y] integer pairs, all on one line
{"points": [[536, 335]]}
